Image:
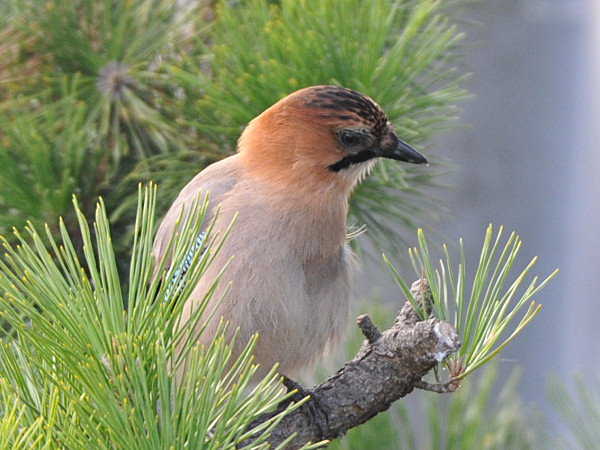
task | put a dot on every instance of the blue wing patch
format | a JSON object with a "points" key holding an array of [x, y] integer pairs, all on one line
{"points": [[177, 280]]}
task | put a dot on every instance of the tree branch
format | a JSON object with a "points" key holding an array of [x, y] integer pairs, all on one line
{"points": [[389, 365]]}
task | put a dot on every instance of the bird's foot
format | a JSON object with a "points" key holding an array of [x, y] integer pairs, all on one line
{"points": [[313, 408]]}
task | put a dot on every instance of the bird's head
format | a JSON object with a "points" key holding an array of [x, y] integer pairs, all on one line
{"points": [[321, 134]]}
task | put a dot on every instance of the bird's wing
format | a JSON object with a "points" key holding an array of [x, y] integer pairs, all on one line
{"points": [[178, 278], [216, 181]]}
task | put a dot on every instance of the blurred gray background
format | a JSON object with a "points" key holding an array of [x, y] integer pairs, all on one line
{"points": [[529, 160]]}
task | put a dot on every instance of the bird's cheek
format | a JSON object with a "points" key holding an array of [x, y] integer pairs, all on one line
{"points": [[323, 156]]}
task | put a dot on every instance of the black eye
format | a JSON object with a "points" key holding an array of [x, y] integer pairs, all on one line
{"points": [[350, 138]]}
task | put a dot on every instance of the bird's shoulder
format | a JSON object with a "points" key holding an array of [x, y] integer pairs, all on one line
{"points": [[215, 181]]}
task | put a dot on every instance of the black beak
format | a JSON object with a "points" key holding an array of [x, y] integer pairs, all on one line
{"points": [[403, 152]]}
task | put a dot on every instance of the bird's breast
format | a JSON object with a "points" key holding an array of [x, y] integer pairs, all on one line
{"points": [[290, 275]]}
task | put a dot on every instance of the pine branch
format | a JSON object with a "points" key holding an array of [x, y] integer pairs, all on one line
{"points": [[383, 371]]}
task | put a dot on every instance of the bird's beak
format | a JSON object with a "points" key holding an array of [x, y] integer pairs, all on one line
{"points": [[403, 152]]}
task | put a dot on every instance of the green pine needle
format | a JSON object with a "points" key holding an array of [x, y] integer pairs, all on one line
{"points": [[84, 368], [485, 317], [577, 402]]}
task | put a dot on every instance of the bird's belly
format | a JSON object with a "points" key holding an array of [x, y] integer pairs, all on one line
{"points": [[309, 320]]}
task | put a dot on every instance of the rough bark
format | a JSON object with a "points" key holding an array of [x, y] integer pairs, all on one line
{"points": [[389, 365]]}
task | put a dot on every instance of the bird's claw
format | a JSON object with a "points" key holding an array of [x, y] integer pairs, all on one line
{"points": [[312, 407]]}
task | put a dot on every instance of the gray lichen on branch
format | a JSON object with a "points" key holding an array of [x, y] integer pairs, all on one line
{"points": [[388, 366]]}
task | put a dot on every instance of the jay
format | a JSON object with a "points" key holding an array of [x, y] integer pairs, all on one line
{"points": [[289, 184]]}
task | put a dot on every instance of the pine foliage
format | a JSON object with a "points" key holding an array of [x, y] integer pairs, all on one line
{"points": [[84, 370], [112, 93]]}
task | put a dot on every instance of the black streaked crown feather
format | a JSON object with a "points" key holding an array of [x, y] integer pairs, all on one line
{"points": [[347, 104]]}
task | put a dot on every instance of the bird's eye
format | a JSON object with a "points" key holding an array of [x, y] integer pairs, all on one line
{"points": [[350, 138]]}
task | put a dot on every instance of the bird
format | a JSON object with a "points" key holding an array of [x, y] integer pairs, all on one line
{"points": [[288, 186]]}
